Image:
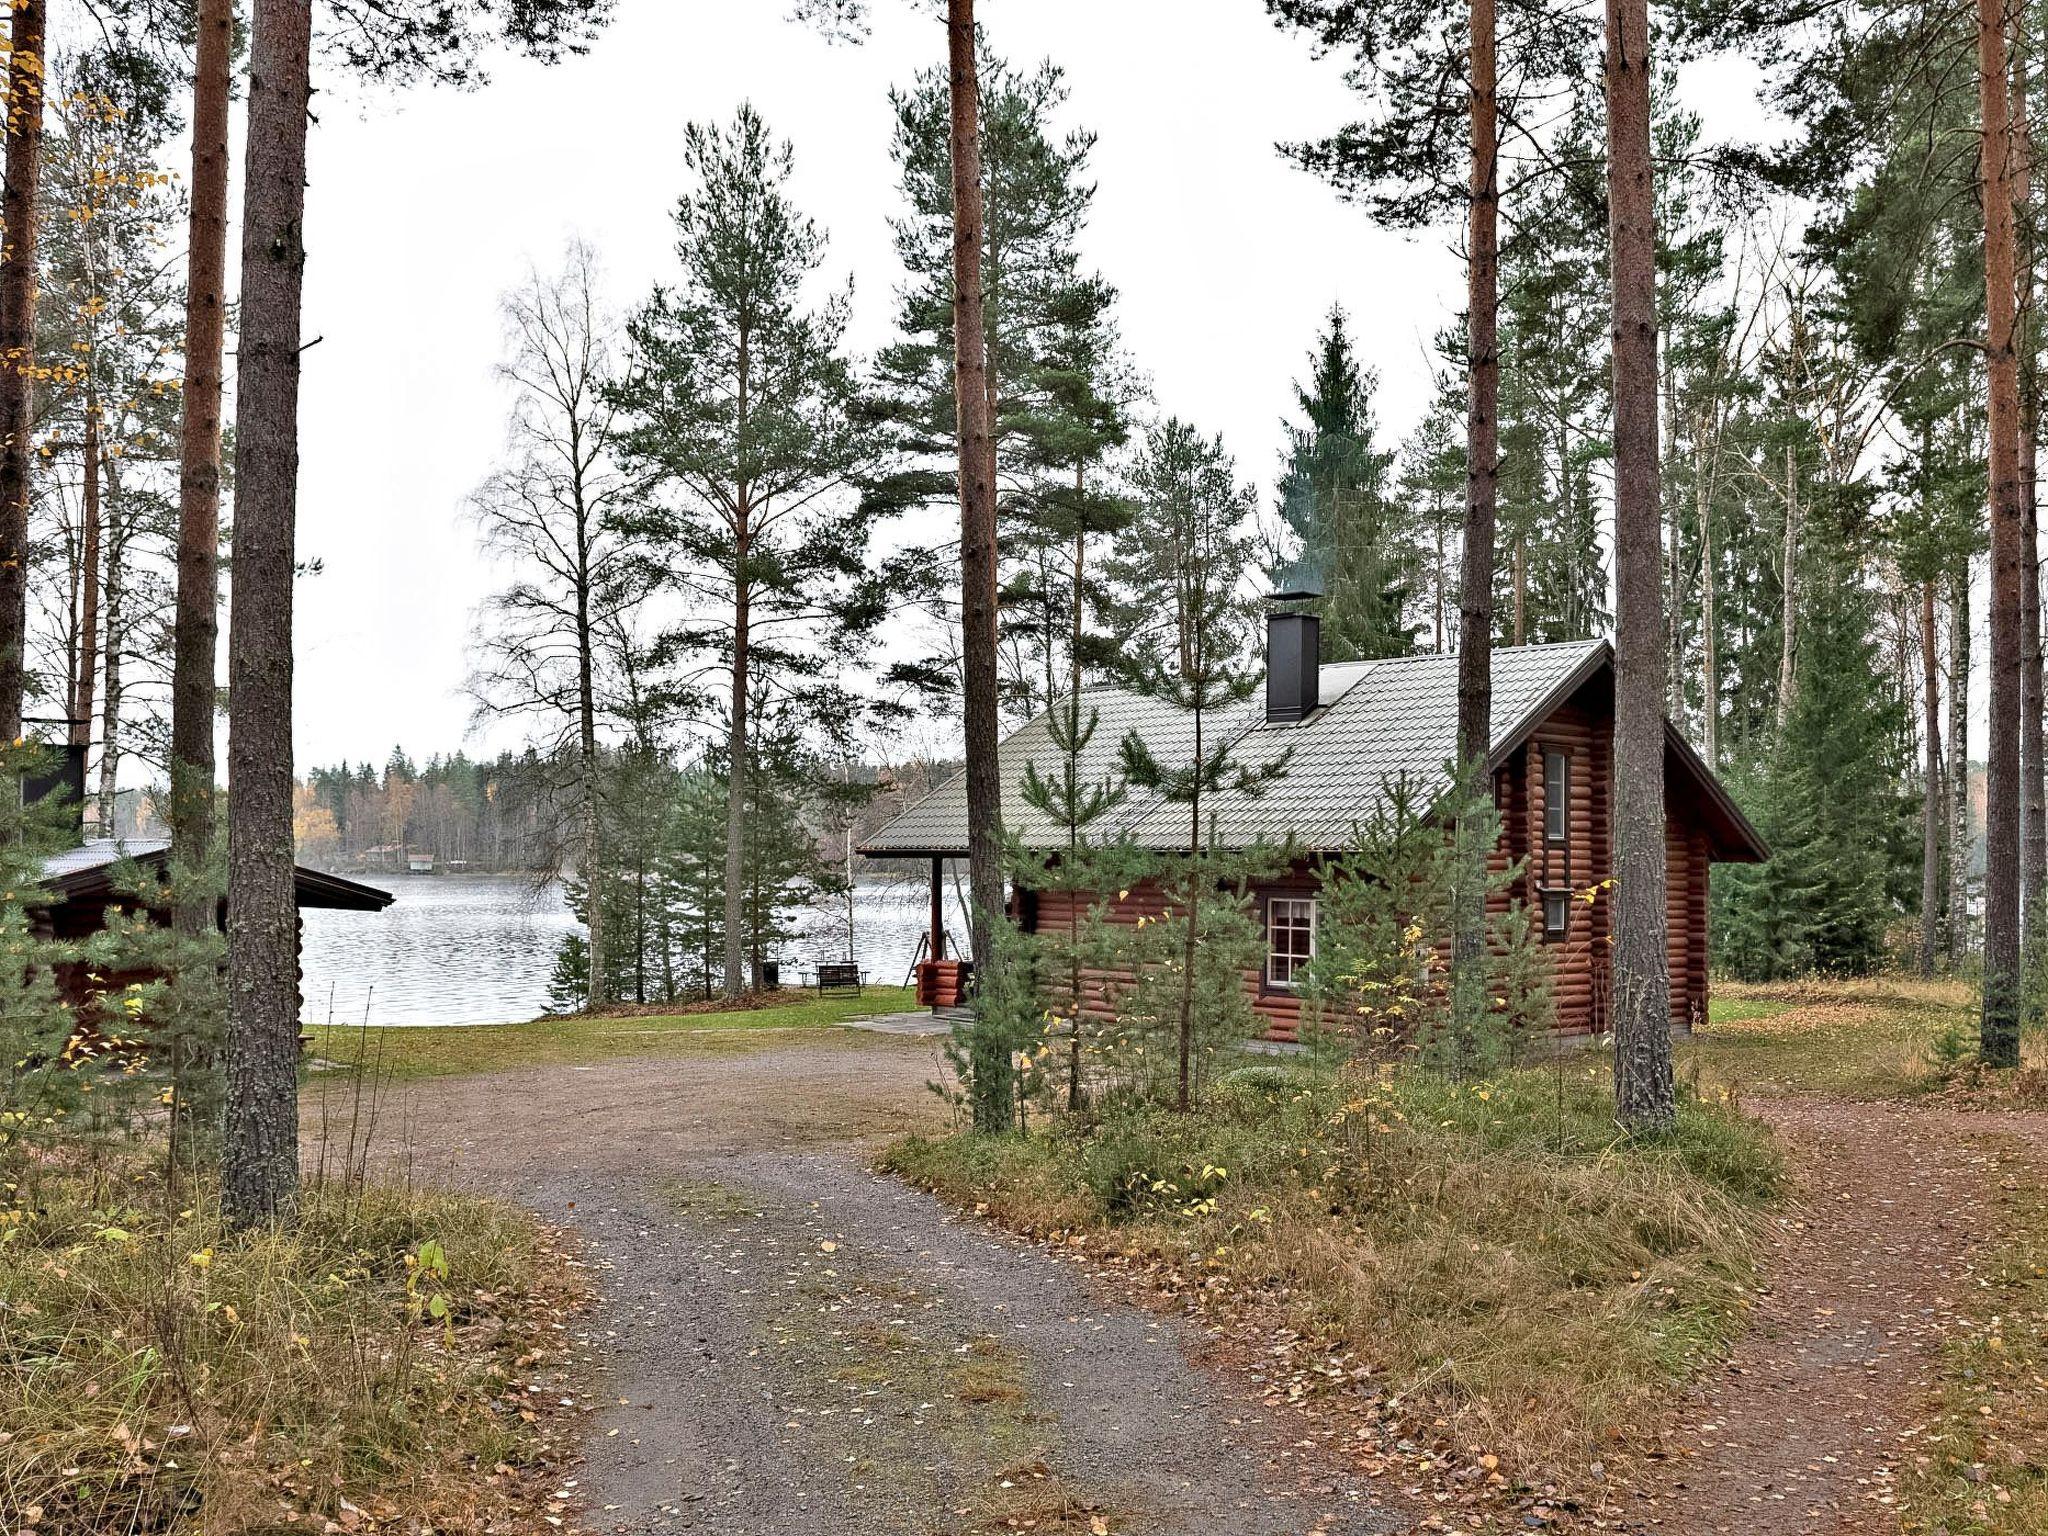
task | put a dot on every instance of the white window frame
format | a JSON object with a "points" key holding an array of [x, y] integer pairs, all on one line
{"points": [[1273, 982], [1556, 935]]}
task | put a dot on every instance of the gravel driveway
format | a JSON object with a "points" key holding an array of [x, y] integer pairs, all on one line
{"points": [[788, 1341]]}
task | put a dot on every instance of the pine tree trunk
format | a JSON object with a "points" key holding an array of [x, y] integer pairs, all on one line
{"points": [[89, 579], [737, 748], [1999, 1044], [196, 633], [1190, 938], [1073, 789], [18, 216], [2033, 792], [1956, 782], [1643, 1089], [971, 391], [260, 1163], [1931, 870], [1482, 494], [1788, 595]]}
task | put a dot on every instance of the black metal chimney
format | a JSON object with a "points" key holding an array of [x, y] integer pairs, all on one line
{"points": [[1293, 661]]}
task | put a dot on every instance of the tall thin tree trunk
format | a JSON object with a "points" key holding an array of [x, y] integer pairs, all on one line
{"points": [[1190, 938], [1482, 496], [1643, 1089], [1521, 626], [1788, 593], [590, 860], [1073, 788], [260, 1163], [971, 391], [196, 632], [2033, 791], [1710, 642], [112, 656], [737, 748], [18, 215], [1931, 840], [1999, 1045], [89, 577], [1956, 782]]}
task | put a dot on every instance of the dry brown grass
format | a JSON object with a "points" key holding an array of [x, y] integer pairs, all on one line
{"points": [[166, 1376]]}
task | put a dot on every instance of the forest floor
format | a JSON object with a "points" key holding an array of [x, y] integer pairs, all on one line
{"points": [[1892, 1376], [786, 1339]]}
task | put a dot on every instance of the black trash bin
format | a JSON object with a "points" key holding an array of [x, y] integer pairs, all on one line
{"points": [[771, 975]]}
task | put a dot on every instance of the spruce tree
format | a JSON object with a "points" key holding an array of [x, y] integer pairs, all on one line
{"points": [[1339, 501]]}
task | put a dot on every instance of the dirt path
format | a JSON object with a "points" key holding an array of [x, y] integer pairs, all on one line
{"points": [[1802, 1430], [788, 1341]]}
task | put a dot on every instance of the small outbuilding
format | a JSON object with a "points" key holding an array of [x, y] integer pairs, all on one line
{"points": [[1352, 729], [83, 885]]}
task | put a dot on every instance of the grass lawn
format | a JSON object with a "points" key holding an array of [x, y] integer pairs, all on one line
{"points": [[443, 1050], [1877, 1037]]}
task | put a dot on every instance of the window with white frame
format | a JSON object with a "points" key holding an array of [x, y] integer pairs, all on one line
{"points": [[1290, 938]]}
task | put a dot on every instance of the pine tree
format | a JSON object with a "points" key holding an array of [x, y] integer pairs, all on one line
{"points": [[1058, 392], [740, 414]]}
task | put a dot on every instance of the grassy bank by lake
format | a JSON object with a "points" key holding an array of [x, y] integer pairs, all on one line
{"points": [[577, 1039]]}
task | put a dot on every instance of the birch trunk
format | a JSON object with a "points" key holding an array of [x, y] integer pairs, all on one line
{"points": [[89, 579]]}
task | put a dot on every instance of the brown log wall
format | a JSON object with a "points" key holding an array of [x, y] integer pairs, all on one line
{"points": [[1580, 865]]}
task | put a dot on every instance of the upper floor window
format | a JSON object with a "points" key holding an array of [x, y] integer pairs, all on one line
{"points": [[1557, 796], [1290, 938]]}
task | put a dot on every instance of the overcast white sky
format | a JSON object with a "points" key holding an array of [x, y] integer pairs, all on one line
{"points": [[425, 205]]}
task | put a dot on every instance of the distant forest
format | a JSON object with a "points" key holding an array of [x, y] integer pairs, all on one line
{"points": [[510, 814]]}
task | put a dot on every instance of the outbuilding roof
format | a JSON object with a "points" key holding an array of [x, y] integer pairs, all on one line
{"points": [[89, 870], [1377, 721]]}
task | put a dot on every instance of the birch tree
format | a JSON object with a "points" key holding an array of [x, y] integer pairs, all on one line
{"points": [[555, 514]]}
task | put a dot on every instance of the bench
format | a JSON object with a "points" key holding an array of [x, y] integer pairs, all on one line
{"points": [[841, 976]]}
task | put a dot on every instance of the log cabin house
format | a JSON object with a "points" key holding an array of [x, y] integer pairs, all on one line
{"points": [[1353, 727]]}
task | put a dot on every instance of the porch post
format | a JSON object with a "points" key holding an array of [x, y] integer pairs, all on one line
{"points": [[938, 935]]}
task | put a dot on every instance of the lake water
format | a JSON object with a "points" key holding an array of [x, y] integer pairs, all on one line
{"points": [[466, 949]]}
